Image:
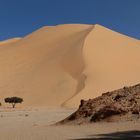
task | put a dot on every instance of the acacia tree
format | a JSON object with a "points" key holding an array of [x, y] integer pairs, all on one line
{"points": [[13, 100]]}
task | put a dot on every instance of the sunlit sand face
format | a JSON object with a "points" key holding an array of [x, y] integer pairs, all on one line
{"points": [[60, 65]]}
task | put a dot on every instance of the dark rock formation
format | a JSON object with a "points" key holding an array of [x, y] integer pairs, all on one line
{"points": [[118, 105]]}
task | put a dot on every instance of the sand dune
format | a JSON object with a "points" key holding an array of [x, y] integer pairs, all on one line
{"points": [[9, 41], [59, 65]]}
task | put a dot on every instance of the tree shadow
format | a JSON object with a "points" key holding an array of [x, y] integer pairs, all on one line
{"points": [[124, 135]]}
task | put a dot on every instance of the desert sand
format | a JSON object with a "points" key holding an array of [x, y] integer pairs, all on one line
{"points": [[35, 124], [59, 65], [9, 41]]}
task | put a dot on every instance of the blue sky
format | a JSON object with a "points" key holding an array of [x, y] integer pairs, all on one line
{"points": [[21, 17]]}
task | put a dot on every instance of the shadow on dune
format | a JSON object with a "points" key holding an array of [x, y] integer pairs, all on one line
{"points": [[124, 135]]}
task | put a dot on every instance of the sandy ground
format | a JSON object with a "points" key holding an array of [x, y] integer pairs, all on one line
{"points": [[35, 124]]}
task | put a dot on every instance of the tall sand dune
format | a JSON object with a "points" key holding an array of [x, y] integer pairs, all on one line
{"points": [[59, 65]]}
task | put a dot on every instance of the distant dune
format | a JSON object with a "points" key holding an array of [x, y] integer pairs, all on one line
{"points": [[9, 41], [60, 65]]}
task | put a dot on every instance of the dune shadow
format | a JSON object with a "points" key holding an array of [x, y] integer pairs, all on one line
{"points": [[124, 135]]}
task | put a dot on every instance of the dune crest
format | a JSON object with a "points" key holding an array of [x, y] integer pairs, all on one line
{"points": [[59, 65], [9, 41]]}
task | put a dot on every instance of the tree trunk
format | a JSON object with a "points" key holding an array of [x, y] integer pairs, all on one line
{"points": [[13, 105]]}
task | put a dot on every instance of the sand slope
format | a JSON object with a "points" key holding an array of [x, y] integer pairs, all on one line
{"points": [[59, 65], [9, 41]]}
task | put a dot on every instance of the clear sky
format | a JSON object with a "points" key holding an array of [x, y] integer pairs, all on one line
{"points": [[21, 17]]}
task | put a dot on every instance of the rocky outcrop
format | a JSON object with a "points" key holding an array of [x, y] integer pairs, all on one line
{"points": [[118, 105]]}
